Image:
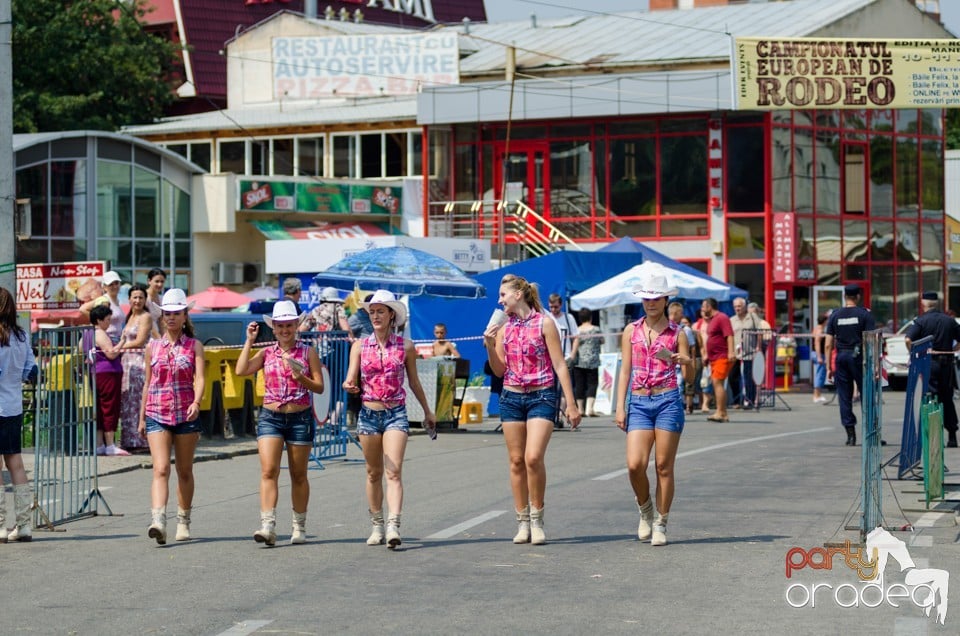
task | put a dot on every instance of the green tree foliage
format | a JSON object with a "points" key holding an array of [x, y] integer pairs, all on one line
{"points": [[953, 129], [87, 64]]}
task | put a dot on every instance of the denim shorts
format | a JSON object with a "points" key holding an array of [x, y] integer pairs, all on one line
{"points": [[183, 428], [521, 407], [663, 411], [294, 428], [10, 436], [372, 422]]}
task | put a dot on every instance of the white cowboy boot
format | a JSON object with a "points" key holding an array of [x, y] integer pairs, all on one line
{"points": [[22, 505], [267, 534], [3, 515], [644, 530], [393, 530], [299, 528], [523, 526], [183, 524], [660, 529], [158, 525], [376, 528], [537, 536]]}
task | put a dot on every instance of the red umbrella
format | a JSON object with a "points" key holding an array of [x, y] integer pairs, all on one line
{"points": [[217, 298]]}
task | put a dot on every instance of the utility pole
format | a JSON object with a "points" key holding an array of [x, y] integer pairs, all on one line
{"points": [[8, 204]]}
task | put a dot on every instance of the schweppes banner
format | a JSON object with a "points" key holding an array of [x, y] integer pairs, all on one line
{"points": [[783, 73]]}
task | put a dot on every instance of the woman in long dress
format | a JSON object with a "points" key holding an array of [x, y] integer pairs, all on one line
{"points": [[137, 331]]}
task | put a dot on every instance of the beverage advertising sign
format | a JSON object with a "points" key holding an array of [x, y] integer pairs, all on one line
{"points": [[58, 285], [781, 73], [318, 196]]}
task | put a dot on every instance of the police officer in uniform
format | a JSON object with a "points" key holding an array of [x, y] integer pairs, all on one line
{"points": [[844, 332], [946, 337]]}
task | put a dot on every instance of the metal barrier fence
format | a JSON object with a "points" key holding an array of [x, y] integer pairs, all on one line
{"points": [[332, 437], [65, 461], [761, 353], [871, 419], [918, 381]]}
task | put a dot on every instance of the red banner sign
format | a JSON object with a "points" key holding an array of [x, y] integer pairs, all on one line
{"points": [[784, 247], [58, 285]]}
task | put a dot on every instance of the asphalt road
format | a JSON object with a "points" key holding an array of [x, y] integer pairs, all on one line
{"points": [[748, 492]]}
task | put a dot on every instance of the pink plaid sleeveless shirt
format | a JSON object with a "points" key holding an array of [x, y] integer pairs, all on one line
{"points": [[648, 371], [528, 362], [383, 370], [172, 367], [279, 387]]}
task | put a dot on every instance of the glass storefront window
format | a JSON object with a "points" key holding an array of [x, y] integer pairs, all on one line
{"points": [[931, 242], [745, 174], [805, 250], [855, 245], [371, 155], [260, 156], [146, 207], [395, 151], [200, 154], [344, 156], [636, 228], [882, 294], [828, 172], [181, 218], [31, 183], [65, 251], [745, 238], [683, 227], [907, 122], [883, 244], [804, 169], [782, 169], [310, 156], [114, 211], [881, 120], [907, 296], [881, 176], [827, 239], [416, 149], [570, 174], [931, 122], [908, 179], [232, 157], [683, 175], [282, 157], [633, 177], [466, 173], [748, 276], [931, 167]]}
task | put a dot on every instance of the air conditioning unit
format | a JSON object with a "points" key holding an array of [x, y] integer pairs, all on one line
{"points": [[237, 273], [228, 273]]}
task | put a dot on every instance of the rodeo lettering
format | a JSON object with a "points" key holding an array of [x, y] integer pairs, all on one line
{"points": [[823, 74]]}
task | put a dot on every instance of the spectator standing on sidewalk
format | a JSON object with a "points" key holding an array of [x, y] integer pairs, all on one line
{"points": [[946, 337], [819, 361], [170, 411], [378, 365], [742, 387], [137, 331], [328, 315], [719, 354], [526, 352], [18, 366], [110, 298], [650, 409], [156, 280], [586, 363], [845, 332], [291, 371], [292, 290], [104, 355]]}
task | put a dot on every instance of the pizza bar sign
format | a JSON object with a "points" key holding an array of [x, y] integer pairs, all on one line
{"points": [[422, 9]]}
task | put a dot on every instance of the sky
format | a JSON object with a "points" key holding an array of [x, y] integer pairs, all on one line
{"points": [[506, 10]]}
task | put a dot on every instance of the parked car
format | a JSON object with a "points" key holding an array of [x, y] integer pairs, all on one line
{"points": [[896, 357]]}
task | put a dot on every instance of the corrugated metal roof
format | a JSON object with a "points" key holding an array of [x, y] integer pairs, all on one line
{"points": [[345, 111], [648, 37]]}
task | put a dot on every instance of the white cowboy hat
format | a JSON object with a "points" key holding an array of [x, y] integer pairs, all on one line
{"points": [[654, 287], [330, 295], [111, 277], [283, 311], [384, 297], [175, 300]]}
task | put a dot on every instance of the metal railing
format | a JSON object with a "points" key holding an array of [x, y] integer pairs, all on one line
{"points": [[871, 407]]}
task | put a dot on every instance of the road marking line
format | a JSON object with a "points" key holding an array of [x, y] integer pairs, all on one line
{"points": [[466, 525], [707, 449], [928, 519], [244, 628]]}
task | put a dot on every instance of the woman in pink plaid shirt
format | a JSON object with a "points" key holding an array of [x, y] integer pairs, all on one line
{"points": [[650, 351], [378, 365], [173, 386], [526, 353]]}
